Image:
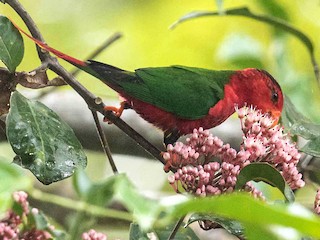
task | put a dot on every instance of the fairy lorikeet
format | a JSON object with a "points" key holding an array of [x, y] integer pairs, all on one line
{"points": [[178, 99]]}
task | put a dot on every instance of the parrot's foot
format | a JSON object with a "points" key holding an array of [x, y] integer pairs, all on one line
{"points": [[171, 136], [115, 110]]}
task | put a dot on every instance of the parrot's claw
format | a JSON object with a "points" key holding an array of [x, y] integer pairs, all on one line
{"points": [[170, 137], [115, 110]]}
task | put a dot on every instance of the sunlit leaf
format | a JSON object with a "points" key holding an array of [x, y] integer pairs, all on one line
{"points": [[44, 143], [250, 212], [274, 8], [267, 219], [11, 44], [232, 226], [266, 173]]}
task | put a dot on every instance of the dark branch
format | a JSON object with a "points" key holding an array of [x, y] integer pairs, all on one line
{"points": [[104, 142], [100, 49], [90, 99]]}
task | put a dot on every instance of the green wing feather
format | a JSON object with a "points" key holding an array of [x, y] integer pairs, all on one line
{"points": [[185, 91]]}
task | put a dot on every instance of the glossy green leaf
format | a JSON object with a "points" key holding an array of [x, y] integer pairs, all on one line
{"points": [[11, 44], [296, 123], [232, 226], [266, 173], [44, 143], [276, 22], [312, 147]]}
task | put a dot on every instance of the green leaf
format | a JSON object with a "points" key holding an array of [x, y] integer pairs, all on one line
{"points": [[103, 192], [256, 216], [145, 210], [44, 143], [274, 8], [119, 188], [312, 147], [183, 233], [11, 44], [276, 22], [266, 173], [262, 217], [232, 226], [37, 219], [12, 180], [296, 123], [135, 233], [81, 183]]}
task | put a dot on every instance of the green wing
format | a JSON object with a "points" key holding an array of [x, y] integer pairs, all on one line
{"points": [[185, 91]]}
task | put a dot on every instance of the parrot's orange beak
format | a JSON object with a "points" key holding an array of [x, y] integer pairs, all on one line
{"points": [[276, 116]]}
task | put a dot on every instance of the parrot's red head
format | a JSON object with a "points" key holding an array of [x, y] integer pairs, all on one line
{"points": [[258, 88]]}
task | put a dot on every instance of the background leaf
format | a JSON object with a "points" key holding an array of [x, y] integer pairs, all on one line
{"points": [[232, 226], [297, 124], [259, 218], [266, 173], [44, 143], [11, 44], [183, 233], [11, 180]]}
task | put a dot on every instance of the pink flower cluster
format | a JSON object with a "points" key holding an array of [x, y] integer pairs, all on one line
{"points": [[11, 226], [206, 166], [93, 235]]}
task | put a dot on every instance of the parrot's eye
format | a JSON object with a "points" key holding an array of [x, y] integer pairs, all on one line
{"points": [[274, 97]]}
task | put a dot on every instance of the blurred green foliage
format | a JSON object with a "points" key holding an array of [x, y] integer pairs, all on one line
{"points": [[78, 27]]}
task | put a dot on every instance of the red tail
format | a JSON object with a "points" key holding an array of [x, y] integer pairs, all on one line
{"points": [[52, 50]]}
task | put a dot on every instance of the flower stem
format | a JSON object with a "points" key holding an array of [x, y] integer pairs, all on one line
{"points": [[80, 206]]}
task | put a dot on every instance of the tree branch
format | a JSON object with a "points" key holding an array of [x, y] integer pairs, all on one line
{"points": [[93, 102], [104, 142]]}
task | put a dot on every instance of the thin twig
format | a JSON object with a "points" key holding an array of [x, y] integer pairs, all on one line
{"points": [[104, 142], [110, 40], [16, 5], [79, 206], [90, 98], [176, 228]]}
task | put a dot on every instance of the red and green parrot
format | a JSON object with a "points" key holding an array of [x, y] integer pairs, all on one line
{"points": [[178, 99]]}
